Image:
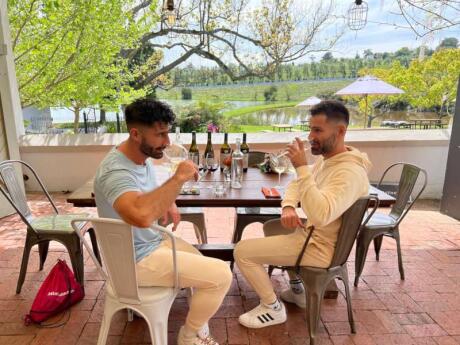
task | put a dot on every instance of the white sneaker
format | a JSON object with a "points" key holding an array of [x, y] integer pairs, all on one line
{"points": [[295, 298], [183, 340], [263, 316]]}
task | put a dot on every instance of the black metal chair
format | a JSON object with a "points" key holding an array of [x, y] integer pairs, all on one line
{"points": [[42, 229], [248, 215], [316, 280], [388, 224]]}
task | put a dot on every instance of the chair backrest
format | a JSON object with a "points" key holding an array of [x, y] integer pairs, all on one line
{"points": [[255, 157], [115, 241], [409, 175], [352, 220], [11, 188]]}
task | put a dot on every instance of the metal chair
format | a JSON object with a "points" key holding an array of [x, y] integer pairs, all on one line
{"points": [[388, 224], [195, 215], [316, 280], [248, 215], [121, 291], [42, 229]]}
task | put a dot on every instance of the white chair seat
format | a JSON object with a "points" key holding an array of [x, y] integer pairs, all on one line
{"points": [[57, 223], [146, 294]]}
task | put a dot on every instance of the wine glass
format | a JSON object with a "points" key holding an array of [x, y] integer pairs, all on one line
{"points": [[210, 162], [280, 164], [175, 153]]}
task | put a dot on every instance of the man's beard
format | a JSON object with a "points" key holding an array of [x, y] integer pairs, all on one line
{"points": [[151, 151], [327, 146]]}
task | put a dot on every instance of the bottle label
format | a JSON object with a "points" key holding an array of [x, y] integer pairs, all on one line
{"points": [[194, 157], [245, 160]]}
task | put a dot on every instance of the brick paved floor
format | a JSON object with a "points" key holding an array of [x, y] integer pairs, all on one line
{"points": [[423, 309]]}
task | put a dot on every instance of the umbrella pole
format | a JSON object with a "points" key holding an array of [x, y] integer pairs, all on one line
{"points": [[365, 114]]}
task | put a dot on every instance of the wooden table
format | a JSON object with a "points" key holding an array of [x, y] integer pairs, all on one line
{"points": [[248, 196], [283, 127], [305, 125], [427, 123]]}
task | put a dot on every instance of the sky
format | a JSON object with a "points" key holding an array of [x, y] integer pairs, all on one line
{"points": [[375, 36]]}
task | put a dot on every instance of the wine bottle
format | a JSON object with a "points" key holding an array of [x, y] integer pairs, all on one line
{"points": [[245, 150], [224, 152], [193, 152], [209, 154]]}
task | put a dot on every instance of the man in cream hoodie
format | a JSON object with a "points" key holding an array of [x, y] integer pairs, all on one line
{"points": [[325, 191]]}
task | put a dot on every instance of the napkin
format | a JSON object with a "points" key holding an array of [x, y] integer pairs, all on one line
{"points": [[271, 193]]}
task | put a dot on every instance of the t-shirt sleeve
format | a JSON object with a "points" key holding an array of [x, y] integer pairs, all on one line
{"points": [[114, 183]]}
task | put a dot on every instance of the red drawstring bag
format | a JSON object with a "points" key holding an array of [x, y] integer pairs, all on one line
{"points": [[58, 292]]}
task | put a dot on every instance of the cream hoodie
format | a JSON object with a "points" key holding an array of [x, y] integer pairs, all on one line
{"points": [[325, 191]]}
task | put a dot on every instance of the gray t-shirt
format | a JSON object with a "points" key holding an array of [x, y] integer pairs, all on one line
{"points": [[117, 175]]}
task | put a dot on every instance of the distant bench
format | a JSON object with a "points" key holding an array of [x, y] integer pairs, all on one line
{"points": [[283, 127]]}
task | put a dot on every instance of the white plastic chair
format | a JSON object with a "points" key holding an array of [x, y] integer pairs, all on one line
{"points": [[152, 303]]}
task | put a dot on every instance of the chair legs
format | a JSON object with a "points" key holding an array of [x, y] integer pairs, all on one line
{"points": [[314, 292], [344, 279], [362, 246], [76, 257], [377, 245], [398, 246], [92, 236], [43, 252], [25, 260]]}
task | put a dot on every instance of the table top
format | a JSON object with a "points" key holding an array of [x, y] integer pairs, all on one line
{"points": [[250, 195]]}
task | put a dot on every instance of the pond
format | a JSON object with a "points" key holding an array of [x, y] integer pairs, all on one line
{"points": [[294, 115]]}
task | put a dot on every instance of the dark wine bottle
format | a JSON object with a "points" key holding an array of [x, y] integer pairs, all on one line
{"points": [[209, 159], [225, 151], [245, 150], [193, 152]]}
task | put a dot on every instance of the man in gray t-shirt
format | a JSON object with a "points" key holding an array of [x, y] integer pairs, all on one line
{"points": [[125, 188]]}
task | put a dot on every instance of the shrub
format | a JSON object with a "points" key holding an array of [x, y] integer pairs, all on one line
{"points": [[186, 93]]}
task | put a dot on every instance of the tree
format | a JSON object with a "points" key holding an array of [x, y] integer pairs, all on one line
{"points": [[67, 52], [327, 57], [449, 42], [424, 17], [226, 33], [428, 84]]}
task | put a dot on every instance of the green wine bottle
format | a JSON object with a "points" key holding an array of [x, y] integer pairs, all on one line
{"points": [[193, 152], [225, 151], [245, 150]]}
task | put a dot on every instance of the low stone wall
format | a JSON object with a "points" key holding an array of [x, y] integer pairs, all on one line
{"points": [[65, 162]]}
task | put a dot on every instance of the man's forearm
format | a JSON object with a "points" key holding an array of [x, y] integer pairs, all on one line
{"points": [[154, 204]]}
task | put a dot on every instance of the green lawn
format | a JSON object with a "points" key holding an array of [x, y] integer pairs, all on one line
{"points": [[255, 108], [287, 92]]}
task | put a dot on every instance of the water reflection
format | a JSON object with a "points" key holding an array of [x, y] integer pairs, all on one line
{"points": [[294, 115]]}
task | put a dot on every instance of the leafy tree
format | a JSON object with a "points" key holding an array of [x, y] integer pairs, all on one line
{"points": [[449, 42], [428, 84], [327, 57], [186, 93], [67, 52], [270, 93]]}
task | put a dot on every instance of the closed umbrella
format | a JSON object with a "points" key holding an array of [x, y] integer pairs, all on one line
{"points": [[369, 85]]}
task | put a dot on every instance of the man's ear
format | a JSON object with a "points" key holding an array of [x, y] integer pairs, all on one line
{"points": [[342, 129], [135, 134]]}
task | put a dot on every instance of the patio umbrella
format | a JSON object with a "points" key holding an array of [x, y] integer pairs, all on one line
{"points": [[309, 102], [369, 85]]}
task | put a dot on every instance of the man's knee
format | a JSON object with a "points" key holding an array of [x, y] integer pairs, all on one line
{"points": [[224, 273], [240, 251]]}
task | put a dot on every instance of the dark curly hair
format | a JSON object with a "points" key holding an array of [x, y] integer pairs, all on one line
{"points": [[146, 111], [333, 110]]}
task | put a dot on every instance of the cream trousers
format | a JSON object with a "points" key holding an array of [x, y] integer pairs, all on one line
{"points": [[210, 278], [250, 256]]}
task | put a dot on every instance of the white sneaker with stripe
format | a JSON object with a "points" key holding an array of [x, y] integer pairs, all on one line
{"points": [[263, 316]]}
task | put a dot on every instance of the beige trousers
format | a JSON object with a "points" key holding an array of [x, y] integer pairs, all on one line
{"points": [[210, 278], [252, 254]]}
